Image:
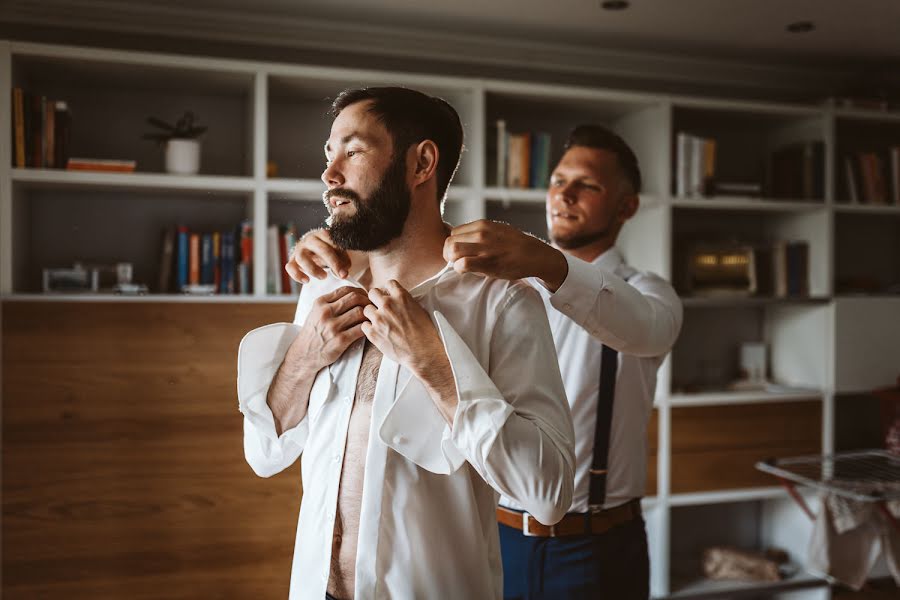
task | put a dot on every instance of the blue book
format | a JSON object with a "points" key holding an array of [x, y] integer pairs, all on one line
{"points": [[226, 283], [182, 260], [207, 266]]}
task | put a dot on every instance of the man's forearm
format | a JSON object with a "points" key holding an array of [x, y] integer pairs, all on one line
{"points": [[288, 397], [438, 380]]}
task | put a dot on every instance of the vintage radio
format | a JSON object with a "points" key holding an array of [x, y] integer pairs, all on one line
{"points": [[722, 269]]}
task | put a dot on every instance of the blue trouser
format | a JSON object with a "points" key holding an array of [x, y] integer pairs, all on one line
{"points": [[612, 565]]}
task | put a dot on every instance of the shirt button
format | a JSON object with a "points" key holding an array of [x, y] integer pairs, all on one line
{"points": [[337, 458], [399, 439]]}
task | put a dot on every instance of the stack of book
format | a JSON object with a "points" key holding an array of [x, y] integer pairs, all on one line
{"points": [[207, 262], [872, 177], [280, 240], [797, 171], [523, 159], [41, 130], [695, 165]]}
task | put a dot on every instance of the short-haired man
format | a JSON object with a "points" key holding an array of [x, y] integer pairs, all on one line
{"points": [[612, 326], [413, 391]]}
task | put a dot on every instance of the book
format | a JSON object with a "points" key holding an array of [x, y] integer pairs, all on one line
{"points": [[517, 172], [502, 152], [62, 125], [183, 255], [194, 258], [289, 239], [682, 163], [101, 164], [49, 128], [217, 259], [540, 160], [245, 270], [167, 257], [226, 285], [207, 268], [273, 260], [851, 179], [18, 127], [894, 160]]}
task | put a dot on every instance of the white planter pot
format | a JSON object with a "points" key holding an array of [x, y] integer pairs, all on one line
{"points": [[183, 157]]}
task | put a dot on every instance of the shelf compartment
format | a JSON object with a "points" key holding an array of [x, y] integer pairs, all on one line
{"points": [[110, 101]]}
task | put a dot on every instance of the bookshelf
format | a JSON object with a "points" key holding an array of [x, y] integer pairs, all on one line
{"points": [[272, 112]]}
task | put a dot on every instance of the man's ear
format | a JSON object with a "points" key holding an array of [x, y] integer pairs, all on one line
{"points": [[426, 157], [629, 206]]}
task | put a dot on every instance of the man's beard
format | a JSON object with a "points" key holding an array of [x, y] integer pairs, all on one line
{"points": [[377, 220], [574, 241]]}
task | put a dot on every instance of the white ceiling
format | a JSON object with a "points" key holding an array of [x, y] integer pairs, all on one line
{"points": [[845, 29]]}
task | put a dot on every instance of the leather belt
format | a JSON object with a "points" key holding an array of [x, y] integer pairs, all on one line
{"points": [[573, 523]]}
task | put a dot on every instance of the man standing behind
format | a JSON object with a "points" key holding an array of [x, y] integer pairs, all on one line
{"points": [[402, 383], [612, 326]]}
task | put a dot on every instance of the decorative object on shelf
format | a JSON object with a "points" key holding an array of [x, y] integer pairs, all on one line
{"points": [[721, 269], [199, 289], [182, 146], [722, 562], [779, 269], [753, 366], [96, 278]]}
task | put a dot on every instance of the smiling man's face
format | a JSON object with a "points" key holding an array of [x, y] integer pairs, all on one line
{"points": [[584, 198]]}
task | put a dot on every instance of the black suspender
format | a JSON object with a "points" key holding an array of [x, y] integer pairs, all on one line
{"points": [[609, 365]]}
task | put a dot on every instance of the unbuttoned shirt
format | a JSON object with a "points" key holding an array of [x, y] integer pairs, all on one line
{"points": [[427, 527], [641, 318]]}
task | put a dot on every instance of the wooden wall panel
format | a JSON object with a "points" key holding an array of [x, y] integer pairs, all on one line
{"points": [[123, 467], [715, 447]]}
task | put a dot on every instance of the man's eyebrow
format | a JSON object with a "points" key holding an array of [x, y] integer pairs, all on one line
{"points": [[355, 135]]}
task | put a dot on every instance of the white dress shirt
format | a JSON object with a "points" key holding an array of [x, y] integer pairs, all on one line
{"points": [[641, 319], [427, 526]]}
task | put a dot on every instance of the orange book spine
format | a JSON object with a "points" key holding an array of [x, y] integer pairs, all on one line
{"points": [[19, 126], [194, 277]]}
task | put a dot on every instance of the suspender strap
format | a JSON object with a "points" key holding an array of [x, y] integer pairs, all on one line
{"points": [[609, 364]]}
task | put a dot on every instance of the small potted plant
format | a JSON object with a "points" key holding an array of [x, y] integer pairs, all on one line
{"points": [[181, 143]]}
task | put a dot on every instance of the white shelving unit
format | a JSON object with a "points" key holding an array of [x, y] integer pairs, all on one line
{"points": [[260, 112]]}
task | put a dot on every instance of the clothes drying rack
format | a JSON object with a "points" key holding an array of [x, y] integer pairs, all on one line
{"points": [[864, 476]]}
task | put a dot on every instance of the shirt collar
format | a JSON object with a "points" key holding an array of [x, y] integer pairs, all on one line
{"points": [[610, 260], [417, 292]]}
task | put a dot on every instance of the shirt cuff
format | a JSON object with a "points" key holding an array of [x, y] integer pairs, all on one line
{"points": [[481, 411], [578, 294], [260, 355]]}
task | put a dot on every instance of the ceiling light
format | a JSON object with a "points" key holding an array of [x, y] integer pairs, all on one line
{"points": [[800, 26], [614, 5]]}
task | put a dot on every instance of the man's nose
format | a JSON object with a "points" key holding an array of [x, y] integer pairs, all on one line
{"points": [[332, 176]]}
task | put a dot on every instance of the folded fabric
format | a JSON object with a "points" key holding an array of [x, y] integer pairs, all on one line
{"points": [[848, 536]]}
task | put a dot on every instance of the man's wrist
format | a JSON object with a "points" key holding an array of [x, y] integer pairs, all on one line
{"points": [[554, 268]]}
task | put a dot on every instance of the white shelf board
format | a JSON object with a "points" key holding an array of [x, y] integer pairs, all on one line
{"points": [[738, 301], [99, 179], [748, 203], [304, 189], [536, 196], [174, 298], [725, 496], [702, 589], [867, 115], [868, 209], [779, 394], [746, 106]]}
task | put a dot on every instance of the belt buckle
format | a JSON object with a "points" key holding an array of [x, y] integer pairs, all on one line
{"points": [[525, 529]]}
